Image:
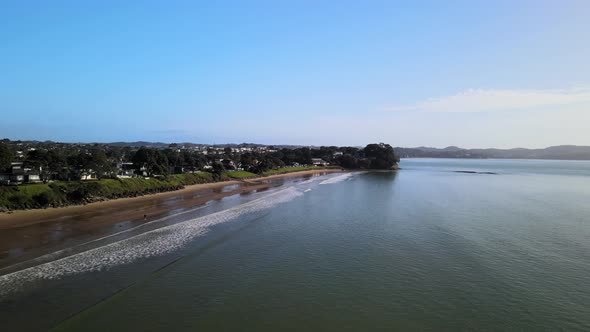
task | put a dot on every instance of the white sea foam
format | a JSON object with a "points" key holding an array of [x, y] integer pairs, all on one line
{"points": [[311, 180], [153, 243], [60, 253], [338, 178]]}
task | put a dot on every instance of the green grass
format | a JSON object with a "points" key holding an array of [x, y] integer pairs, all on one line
{"points": [[289, 170], [26, 196], [33, 189], [60, 193], [240, 174]]}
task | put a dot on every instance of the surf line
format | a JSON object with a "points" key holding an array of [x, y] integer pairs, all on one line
{"points": [[157, 242], [53, 255]]}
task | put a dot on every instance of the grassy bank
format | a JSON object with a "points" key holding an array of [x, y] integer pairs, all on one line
{"points": [[241, 175], [56, 194], [284, 170], [68, 193]]}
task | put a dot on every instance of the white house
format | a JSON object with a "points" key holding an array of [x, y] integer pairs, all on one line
{"points": [[125, 170], [319, 162]]}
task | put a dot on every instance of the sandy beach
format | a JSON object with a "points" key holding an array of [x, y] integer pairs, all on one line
{"points": [[29, 233], [23, 218]]}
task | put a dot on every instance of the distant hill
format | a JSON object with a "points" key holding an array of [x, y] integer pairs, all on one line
{"points": [[561, 152], [161, 145], [139, 144]]}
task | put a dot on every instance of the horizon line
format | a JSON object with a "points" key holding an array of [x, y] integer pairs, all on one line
{"points": [[295, 145]]}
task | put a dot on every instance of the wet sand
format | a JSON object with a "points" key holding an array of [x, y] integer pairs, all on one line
{"points": [[28, 234]]}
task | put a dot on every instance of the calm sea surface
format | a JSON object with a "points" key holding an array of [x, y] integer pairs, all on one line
{"points": [[426, 248]]}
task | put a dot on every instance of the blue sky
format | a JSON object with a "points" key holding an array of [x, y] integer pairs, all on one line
{"points": [[439, 73]]}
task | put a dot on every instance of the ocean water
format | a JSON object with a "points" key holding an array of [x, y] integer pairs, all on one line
{"points": [[504, 247]]}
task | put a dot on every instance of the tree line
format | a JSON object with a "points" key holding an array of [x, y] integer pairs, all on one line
{"points": [[62, 161]]}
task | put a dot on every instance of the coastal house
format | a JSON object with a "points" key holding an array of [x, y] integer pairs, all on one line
{"points": [[17, 167], [125, 170], [319, 162], [189, 169], [228, 164], [19, 174], [15, 179], [4, 178], [177, 169], [87, 174], [32, 178]]}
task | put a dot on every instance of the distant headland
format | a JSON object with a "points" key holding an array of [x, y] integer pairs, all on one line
{"points": [[560, 152]]}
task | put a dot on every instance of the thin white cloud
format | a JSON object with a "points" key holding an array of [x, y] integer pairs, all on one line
{"points": [[479, 100]]}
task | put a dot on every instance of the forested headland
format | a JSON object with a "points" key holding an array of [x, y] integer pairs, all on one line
{"points": [[49, 174]]}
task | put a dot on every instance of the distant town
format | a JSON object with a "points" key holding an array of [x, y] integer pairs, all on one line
{"points": [[33, 162], [49, 174]]}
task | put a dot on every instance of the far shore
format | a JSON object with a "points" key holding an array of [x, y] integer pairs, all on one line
{"points": [[20, 218]]}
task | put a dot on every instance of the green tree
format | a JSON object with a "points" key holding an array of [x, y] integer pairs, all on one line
{"points": [[57, 165], [99, 163], [348, 161], [217, 170], [37, 159], [6, 156], [269, 162], [247, 160], [381, 156], [154, 161]]}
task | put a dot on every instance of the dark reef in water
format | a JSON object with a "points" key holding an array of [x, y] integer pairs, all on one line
{"points": [[474, 172]]}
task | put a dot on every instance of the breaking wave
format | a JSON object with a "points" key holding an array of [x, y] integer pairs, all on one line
{"points": [[338, 178], [157, 242], [64, 252]]}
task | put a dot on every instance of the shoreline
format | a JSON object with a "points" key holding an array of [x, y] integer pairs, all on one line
{"points": [[28, 234], [19, 218]]}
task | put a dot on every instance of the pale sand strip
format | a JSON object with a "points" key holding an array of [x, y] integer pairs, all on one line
{"points": [[27, 217]]}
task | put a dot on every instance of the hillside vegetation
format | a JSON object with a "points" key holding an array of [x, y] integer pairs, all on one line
{"points": [[241, 175], [63, 193], [284, 170]]}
